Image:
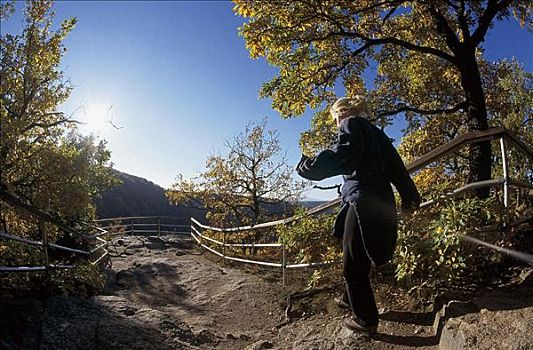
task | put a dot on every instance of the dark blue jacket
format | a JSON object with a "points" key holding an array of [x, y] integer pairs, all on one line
{"points": [[368, 161]]}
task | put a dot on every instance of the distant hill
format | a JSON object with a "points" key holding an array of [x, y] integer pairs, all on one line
{"points": [[137, 196], [308, 204]]}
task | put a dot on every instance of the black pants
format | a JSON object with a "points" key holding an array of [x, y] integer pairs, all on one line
{"points": [[357, 264]]}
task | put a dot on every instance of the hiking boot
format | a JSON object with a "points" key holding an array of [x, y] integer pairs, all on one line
{"points": [[354, 325], [342, 304]]}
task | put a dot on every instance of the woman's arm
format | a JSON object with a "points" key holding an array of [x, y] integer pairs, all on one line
{"points": [[341, 159]]}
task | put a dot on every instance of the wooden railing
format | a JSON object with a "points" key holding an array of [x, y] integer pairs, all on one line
{"points": [[499, 133], [145, 225], [157, 226], [95, 255]]}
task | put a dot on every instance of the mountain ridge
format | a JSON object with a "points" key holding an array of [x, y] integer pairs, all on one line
{"points": [[137, 196]]}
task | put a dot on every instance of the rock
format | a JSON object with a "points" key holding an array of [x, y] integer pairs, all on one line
{"points": [[510, 329], [97, 325], [348, 339], [204, 336], [454, 308], [125, 279], [136, 246], [102, 322], [261, 344], [505, 318]]}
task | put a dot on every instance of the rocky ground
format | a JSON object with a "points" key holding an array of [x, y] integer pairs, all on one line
{"points": [[168, 294]]}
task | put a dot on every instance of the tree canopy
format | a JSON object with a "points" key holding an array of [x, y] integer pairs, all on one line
{"points": [[428, 56], [44, 161], [46, 165]]}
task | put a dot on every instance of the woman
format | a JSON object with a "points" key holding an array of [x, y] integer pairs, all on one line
{"points": [[367, 222]]}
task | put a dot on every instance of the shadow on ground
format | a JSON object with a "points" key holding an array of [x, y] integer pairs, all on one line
{"points": [[104, 322], [153, 284]]}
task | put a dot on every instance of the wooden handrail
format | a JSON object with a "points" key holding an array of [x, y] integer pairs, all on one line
{"points": [[471, 137], [437, 153], [18, 203], [141, 217]]}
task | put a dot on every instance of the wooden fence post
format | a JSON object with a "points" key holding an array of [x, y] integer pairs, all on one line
{"points": [[42, 228], [283, 264], [224, 248], [505, 181]]}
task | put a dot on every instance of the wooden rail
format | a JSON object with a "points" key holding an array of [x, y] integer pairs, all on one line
{"points": [[431, 157], [468, 138], [45, 244], [156, 226]]}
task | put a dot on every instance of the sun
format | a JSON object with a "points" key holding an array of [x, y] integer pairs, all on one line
{"points": [[98, 116]]}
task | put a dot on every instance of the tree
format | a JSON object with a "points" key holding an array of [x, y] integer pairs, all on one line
{"points": [[46, 166], [44, 161], [244, 185], [428, 53]]}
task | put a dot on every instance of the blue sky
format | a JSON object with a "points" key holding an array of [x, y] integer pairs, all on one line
{"points": [[177, 79]]}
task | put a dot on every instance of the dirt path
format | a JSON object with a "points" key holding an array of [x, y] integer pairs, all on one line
{"points": [[166, 294], [227, 308]]}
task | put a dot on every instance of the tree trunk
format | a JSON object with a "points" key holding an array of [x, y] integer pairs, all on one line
{"points": [[480, 153]]}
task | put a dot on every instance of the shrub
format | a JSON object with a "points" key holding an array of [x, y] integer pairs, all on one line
{"points": [[309, 240], [429, 250]]}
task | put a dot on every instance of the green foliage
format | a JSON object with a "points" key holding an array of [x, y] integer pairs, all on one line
{"points": [[323, 131], [44, 161], [85, 280], [429, 60], [309, 240], [509, 102], [317, 44], [19, 254], [430, 251], [6, 9]]}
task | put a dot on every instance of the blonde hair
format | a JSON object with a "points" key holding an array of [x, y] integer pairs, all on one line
{"points": [[357, 107]]}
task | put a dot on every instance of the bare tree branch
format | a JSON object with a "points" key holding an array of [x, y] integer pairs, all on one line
{"points": [[369, 42], [49, 125], [395, 41], [444, 27], [337, 187], [454, 109], [390, 13], [493, 7]]}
